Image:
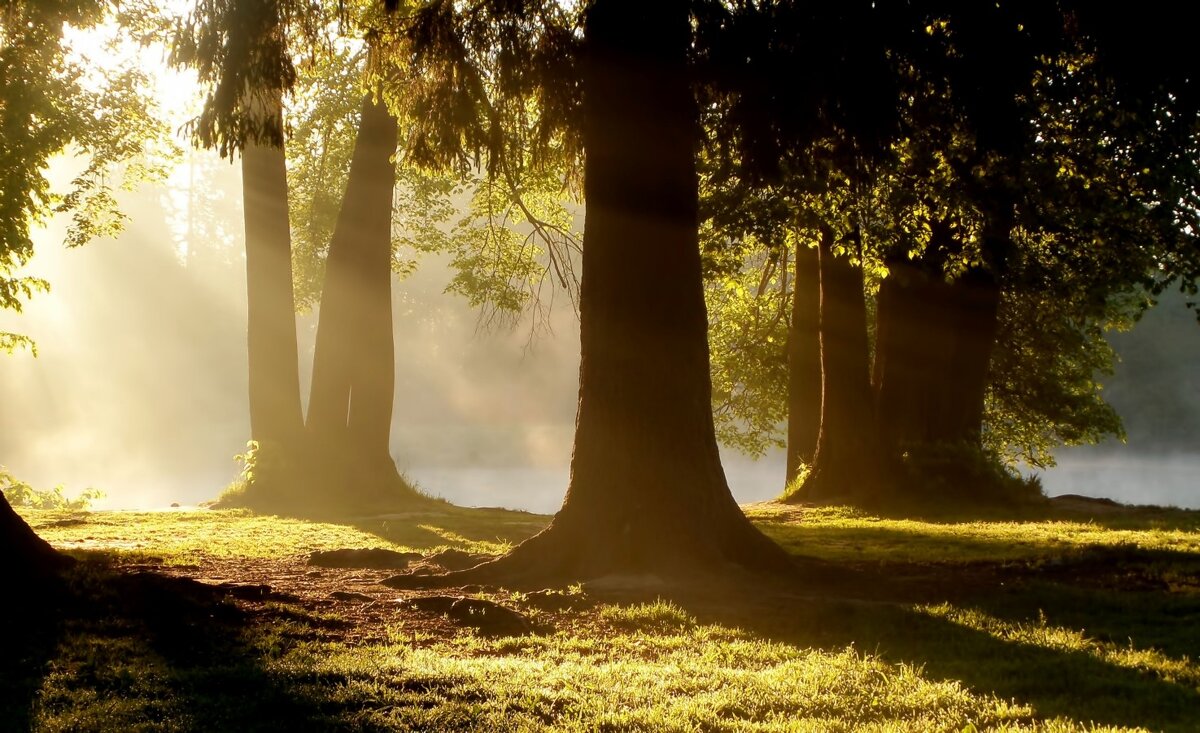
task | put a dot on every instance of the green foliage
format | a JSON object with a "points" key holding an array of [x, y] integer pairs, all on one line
{"points": [[265, 469], [748, 318], [21, 494], [509, 232], [10, 342], [323, 114], [1045, 389], [514, 236], [56, 100], [1092, 239], [244, 51]]}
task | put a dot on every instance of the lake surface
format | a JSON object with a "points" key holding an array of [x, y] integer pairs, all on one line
{"points": [[1164, 480]]}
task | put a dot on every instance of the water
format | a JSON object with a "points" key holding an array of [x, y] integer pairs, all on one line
{"points": [[1163, 480]]}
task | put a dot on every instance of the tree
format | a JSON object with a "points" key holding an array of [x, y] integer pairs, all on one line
{"points": [[647, 491], [763, 299], [242, 53], [338, 455], [353, 384], [274, 386]]}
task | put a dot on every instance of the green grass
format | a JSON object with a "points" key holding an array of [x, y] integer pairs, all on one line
{"points": [[842, 533], [183, 537], [1057, 623]]}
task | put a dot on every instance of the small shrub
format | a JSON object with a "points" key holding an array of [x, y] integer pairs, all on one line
{"points": [[263, 475], [21, 494]]}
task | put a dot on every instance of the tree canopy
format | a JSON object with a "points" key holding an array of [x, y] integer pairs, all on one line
{"points": [[56, 100]]}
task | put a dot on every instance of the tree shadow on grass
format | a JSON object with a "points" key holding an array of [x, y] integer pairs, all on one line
{"points": [[1034, 667], [30, 628], [142, 651], [448, 525]]}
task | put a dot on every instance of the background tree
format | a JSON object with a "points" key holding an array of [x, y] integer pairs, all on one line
{"points": [[276, 421], [243, 56], [353, 384]]}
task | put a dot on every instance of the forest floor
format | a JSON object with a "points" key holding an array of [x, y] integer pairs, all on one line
{"points": [[1076, 616]]}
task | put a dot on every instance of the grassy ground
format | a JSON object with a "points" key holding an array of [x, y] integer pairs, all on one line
{"points": [[1065, 620]]}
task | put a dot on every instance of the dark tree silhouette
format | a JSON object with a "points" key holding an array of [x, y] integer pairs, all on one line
{"points": [[353, 385], [647, 491], [846, 458], [25, 557], [804, 363], [275, 415]]}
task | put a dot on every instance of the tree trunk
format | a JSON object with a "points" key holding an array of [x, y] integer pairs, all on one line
{"points": [[25, 558], [647, 491], [804, 363], [847, 460], [933, 353], [975, 306], [934, 347], [353, 383], [275, 413], [913, 347]]}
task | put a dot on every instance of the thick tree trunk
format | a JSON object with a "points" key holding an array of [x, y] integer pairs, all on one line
{"points": [[804, 363], [353, 383], [25, 558], [275, 413], [647, 491], [934, 347], [912, 354], [975, 304], [933, 350], [847, 464]]}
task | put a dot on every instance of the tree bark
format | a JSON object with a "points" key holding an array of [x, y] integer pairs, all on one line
{"points": [[975, 305], [847, 463], [804, 363], [275, 413], [934, 346], [933, 351], [353, 383], [913, 345], [25, 558], [647, 492]]}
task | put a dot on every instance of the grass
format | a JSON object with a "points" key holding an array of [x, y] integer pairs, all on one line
{"points": [[1054, 623], [184, 537], [843, 533]]}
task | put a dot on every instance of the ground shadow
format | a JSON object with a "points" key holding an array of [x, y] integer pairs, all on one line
{"points": [[32, 624], [446, 525], [117, 650], [1055, 680]]}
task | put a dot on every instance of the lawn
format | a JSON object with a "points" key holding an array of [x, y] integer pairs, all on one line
{"points": [[215, 620]]}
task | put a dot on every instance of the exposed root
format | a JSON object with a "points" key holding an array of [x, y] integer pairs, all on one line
{"points": [[555, 559]]}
